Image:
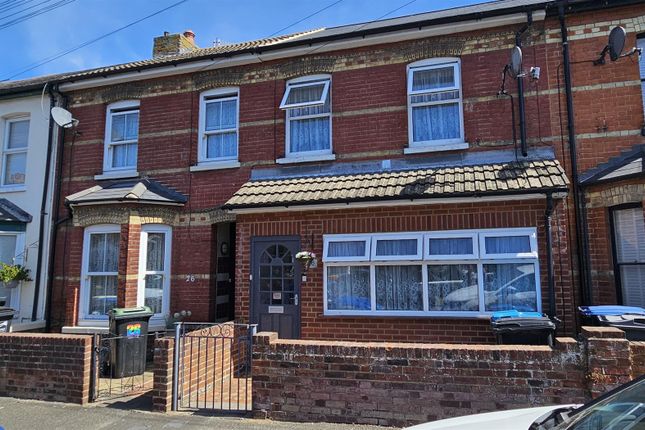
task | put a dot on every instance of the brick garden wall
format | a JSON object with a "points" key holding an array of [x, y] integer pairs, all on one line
{"points": [[45, 367], [401, 384]]}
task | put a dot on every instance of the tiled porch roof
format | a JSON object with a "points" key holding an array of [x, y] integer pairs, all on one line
{"points": [[524, 177]]}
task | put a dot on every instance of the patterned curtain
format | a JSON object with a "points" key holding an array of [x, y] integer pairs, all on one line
{"points": [[399, 288]]}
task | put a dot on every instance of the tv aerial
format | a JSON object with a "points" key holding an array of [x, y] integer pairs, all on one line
{"points": [[615, 46], [63, 117]]}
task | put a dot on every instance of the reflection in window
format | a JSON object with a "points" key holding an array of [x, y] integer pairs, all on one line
{"points": [[510, 286], [348, 287], [453, 287]]}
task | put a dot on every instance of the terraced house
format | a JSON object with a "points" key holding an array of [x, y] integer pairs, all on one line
{"points": [[391, 180]]}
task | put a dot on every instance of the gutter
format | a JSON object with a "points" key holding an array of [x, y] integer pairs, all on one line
{"points": [[43, 209], [580, 209]]}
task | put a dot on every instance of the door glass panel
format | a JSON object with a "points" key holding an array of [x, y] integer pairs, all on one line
{"points": [[156, 251], [156, 273], [7, 254], [154, 292]]}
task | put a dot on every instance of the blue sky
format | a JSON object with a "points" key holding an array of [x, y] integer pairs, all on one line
{"points": [[227, 20]]}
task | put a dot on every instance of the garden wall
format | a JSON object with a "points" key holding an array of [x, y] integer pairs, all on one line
{"points": [[401, 384], [51, 367]]}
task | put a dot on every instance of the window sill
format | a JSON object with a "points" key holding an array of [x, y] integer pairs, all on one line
{"points": [[416, 315], [119, 174], [420, 149], [12, 188], [95, 328], [306, 159], [215, 165]]}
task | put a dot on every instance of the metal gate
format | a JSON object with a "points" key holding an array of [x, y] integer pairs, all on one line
{"points": [[105, 381], [212, 367]]}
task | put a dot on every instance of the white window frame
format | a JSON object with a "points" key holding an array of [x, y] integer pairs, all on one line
{"points": [[347, 238], [18, 258], [477, 258], [299, 83], [112, 110], [530, 232], [143, 255], [7, 151], [395, 236], [440, 144], [473, 236], [84, 301], [210, 96]]}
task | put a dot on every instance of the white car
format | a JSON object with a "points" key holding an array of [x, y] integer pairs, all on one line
{"points": [[620, 409]]}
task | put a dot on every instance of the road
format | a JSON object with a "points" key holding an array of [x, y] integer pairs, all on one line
{"points": [[18, 414]]}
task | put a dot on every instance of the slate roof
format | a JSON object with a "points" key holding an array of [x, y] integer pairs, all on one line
{"points": [[476, 11], [128, 191], [534, 176], [610, 169], [12, 213]]}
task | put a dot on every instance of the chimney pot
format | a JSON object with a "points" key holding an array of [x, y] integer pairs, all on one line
{"points": [[188, 34]]}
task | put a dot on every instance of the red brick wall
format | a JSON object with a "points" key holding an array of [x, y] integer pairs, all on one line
{"points": [[312, 225], [48, 367], [370, 122], [401, 384]]}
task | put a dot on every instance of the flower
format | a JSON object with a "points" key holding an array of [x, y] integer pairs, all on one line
{"points": [[305, 255]]}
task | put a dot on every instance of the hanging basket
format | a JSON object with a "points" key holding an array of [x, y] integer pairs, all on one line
{"points": [[12, 284], [306, 258]]}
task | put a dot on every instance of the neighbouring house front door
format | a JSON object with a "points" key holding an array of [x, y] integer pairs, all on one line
{"points": [[629, 255], [276, 286]]}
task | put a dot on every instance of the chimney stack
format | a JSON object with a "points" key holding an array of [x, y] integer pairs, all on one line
{"points": [[173, 44]]}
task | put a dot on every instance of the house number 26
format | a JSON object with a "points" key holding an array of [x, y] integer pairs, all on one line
{"points": [[190, 278]]}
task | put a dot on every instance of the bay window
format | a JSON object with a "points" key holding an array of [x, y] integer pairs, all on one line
{"points": [[100, 271], [435, 113], [451, 273], [308, 110]]}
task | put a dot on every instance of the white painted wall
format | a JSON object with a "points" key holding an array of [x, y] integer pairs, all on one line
{"points": [[29, 199]]}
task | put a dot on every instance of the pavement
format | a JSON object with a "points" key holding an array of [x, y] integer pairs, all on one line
{"points": [[17, 414]]}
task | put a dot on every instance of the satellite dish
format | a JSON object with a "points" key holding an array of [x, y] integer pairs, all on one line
{"points": [[515, 66], [616, 42], [63, 117]]}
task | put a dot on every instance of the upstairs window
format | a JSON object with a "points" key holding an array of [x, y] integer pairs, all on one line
{"points": [[434, 103], [308, 127], [121, 137], [219, 125], [14, 152]]}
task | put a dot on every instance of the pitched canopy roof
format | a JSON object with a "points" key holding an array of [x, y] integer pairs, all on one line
{"points": [[128, 191], [524, 177], [628, 164], [12, 213]]}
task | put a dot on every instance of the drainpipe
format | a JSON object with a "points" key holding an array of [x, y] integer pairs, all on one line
{"points": [[520, 87], [549, 253], [582, 239], [43, 210], [56, 214]]}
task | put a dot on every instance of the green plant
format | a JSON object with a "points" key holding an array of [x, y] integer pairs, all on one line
{"points": [[13, 272]]}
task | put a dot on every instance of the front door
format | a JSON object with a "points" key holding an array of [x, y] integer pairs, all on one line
{"points": [[275, 300]]}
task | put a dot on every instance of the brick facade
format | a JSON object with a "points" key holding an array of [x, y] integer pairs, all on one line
{"points": [[369, 117], [48, 367], [402, 384]]}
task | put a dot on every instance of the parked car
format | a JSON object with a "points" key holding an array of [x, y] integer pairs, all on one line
{"points": [[620, 409]]}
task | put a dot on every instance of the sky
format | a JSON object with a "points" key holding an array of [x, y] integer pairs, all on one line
{"points": [[78, 21]]}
